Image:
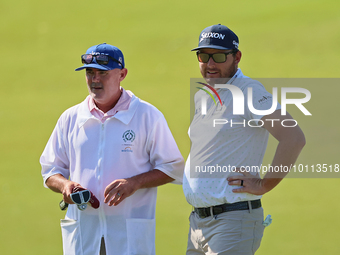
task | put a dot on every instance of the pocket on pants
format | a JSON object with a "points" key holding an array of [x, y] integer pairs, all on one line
{"points": [[140, 236], [258, 234], [71, 237]]}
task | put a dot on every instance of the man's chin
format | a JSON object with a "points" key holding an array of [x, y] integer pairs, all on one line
{"points": [[213, 81]]}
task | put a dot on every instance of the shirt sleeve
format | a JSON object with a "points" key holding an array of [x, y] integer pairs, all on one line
{"points": [[164, 153], [54, 159], [261, 101]]}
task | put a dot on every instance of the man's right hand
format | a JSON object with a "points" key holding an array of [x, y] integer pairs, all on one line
{"points": [[69, 186], [60, 184]]}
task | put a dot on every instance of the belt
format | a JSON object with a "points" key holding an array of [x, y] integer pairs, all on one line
{"points": [[217, 209]]}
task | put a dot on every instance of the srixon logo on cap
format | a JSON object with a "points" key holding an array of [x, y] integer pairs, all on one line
{"points": [[236, 44], [211, 35]]}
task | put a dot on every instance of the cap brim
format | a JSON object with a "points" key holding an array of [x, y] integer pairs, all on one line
{"points": [[93, 65], [212, 47]]}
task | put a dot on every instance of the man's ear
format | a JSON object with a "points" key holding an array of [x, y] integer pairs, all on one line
{"points": [[123, 74], [238, 56]]}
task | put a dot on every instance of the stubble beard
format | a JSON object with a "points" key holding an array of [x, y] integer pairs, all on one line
{"points": [[226, 76]]}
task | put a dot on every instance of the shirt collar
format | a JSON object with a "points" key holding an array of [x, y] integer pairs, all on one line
{"points": [[237, 75], [124, 116], [122, 104]]}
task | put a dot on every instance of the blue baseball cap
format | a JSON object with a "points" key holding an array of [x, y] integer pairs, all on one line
{"points": [[116, 58], [217, 37]]}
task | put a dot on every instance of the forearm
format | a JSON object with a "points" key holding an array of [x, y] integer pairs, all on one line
{"points": [[291, 141], [285, 157], [151, 179], [58, 183], [120, 189], [286, 154]]}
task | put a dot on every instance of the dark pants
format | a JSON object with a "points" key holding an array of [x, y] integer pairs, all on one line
{"points": [[102, 247]]}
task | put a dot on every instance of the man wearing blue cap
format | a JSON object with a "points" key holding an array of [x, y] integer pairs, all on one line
{"points": [[225, 147], [120, 148]]}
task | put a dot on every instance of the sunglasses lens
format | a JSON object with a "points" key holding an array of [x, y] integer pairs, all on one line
{"points": [[76, 198], [86, 58], [219, 57], [203, 57], [102, 59]]}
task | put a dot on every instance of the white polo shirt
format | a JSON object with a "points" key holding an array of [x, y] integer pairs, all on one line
{"points": [[94, 154], [215, 151]]}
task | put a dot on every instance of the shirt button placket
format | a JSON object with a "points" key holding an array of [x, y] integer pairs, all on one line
{"points": [[102, 218]]}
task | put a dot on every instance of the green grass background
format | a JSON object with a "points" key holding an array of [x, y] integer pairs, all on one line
{"points": [[41, 44]]}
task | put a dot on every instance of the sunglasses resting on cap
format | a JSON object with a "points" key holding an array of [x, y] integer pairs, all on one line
{"points": [[101, 59]]}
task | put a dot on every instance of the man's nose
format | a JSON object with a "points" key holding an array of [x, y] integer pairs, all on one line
{"points": [[95, 77], [211, 62]]}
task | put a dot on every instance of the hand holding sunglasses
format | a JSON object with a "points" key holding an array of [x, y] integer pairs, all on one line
{"points": [[81, 197]]}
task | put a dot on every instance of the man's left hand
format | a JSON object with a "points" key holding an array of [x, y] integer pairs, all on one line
{"points": [[118, 190], [251, 184]]}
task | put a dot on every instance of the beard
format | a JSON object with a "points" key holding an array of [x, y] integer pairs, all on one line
{"points": [[222, 76]]}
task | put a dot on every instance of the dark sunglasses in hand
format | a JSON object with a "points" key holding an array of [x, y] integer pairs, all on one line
{"points": [[101, 59], [220, 57], [81, 197]]}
